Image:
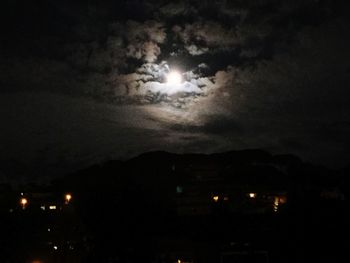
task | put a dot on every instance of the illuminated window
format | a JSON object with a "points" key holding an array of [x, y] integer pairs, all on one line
{"points": [[52, 207]]}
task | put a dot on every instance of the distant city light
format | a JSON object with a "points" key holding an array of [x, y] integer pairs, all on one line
{"points": [[24, 202], [276, 204], [179, 189], [216, 198], [252, 195], [277, 201], [52, 207], [55, 247], [42, 207], [68, 197]]}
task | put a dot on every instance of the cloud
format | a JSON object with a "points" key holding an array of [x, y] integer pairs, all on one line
{"points": [[148, 31], [143, 39], [164, 88], [195, 50], [149, 51], [200, 37], [255, 75], [180, 8]]}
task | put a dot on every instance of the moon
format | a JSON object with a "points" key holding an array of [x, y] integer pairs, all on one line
{"points": [[174, 78]]}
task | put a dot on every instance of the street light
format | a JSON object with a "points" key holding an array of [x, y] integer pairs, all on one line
{"points": [[68, 197], [216, 198], [24, 202]]}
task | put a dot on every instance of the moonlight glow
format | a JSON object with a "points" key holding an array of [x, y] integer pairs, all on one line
{"points": [[174, 78]]}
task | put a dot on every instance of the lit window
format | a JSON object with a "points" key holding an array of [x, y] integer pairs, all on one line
{"points": [[52, 207]]}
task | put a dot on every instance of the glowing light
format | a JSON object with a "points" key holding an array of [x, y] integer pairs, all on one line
{"points": [[252, 195], [276, 204], [55, 247], [68, 197], [278, 200], [216, 198], [24, 202], [52, 207], [174, 78]]}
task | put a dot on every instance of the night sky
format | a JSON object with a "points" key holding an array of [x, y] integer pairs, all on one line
{"points": [[82, 82]]}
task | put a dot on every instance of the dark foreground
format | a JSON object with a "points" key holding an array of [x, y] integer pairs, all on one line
{"points": [[234, 207]]}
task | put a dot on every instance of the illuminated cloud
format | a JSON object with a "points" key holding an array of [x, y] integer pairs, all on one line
{"points": [[268, 79], [200, 37], [195, 50], [172, 89]]}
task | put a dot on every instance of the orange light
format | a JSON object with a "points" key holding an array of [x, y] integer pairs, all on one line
{"points": [[278, 200], [68, 197], [24, 202], [216, 198]]}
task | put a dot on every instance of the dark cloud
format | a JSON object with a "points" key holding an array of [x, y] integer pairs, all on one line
{"points": [[257, 74]]}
